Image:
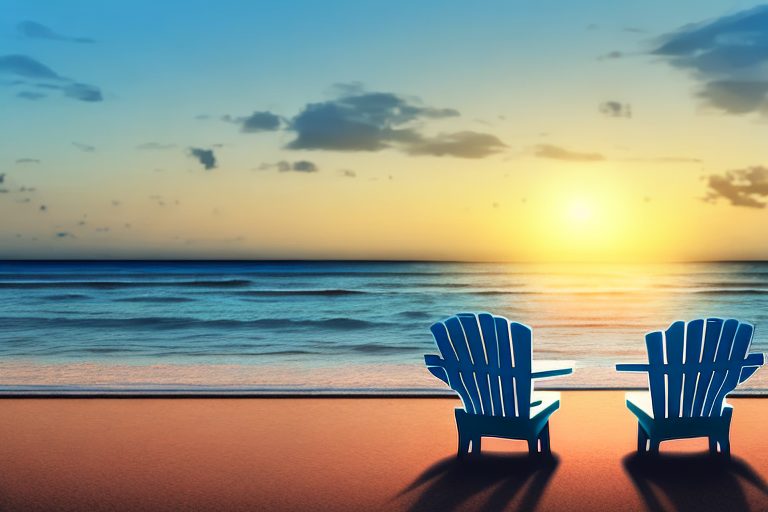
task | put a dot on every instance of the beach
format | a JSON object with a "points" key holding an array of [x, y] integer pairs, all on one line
{"points": [[355, 454]]}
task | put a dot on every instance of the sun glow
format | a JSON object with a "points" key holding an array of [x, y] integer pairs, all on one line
{"points": [[579, 212]]}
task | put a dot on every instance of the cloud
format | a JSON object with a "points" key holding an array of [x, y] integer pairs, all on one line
{"points": [[257, 122], [205, 156], [611, 55], [741, 187], [736, 97], [664, 160], [87, 148], [30, 95], [27, 67], [357, 120], [2, 177], [27, 161], [83, 92], [286, 166], [29, 71], [360, 122], [34, 30], [155, 146], [64, 234], [304, 166], [727, 56], [615, 109], [348, 173], [465, 144], [558, 153]]}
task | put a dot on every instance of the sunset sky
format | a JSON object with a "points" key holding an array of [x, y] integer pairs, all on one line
{"points": [[506, 131]]}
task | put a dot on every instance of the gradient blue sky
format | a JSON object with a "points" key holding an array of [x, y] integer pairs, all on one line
{"points": [[584, 137]]}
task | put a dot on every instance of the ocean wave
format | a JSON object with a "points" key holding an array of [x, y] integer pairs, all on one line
{"points": [[159, 300], [279, 293], [731, 291], [171, 323], [65, 296], [226, 283]]}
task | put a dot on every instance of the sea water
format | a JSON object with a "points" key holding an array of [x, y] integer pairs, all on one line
{"points": [[340, 327]]}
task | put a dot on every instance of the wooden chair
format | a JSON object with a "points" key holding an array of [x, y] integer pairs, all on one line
{"points": [[487, 360], [691, 369]]}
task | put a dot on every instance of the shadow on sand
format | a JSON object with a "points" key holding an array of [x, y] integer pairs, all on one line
{"points": [[696, 482], [485, 482]]}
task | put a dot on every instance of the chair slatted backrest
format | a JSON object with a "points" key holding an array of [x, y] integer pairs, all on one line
{"points": [[486, 359], [693, 366]]}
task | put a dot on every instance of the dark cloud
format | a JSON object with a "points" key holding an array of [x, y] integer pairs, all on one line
{"points": [[257, 122], [155, 146], [43, 208], [558, 153], [27, 161], [205, 156], [87, 148], [372, 121], [64, 234], [348, 173], [736, 97], [83, 92], [742, 187], [466, 144], [34, 30], [27, 69], [30, 95], [611, 55], [728, 56], [304, 166], [286, 166], [2, 177], [615, 109]]}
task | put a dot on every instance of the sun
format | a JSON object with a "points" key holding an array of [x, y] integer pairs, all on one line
{"points": [[579, 212]]}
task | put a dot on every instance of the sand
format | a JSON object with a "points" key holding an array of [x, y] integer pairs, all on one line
{"points": [[355, 454]]}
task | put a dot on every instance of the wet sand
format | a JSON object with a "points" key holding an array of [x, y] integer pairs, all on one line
{"points": [[355, 454]]}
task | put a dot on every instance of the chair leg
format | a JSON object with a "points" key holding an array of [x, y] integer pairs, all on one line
{"points": [[712, 445], [725, 447], [476, 445], [642, 440], [654, 447], [533, 446], [464, 439], [544, 438], [463, 446]]}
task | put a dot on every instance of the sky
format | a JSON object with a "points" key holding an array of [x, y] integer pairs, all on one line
{"points": [[432, 130]]}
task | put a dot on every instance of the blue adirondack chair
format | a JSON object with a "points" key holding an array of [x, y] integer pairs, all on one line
{"points": [[486, 359], [691, 369]]}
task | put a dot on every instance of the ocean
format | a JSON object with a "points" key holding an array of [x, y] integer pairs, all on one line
{"points": [[339, 327]]}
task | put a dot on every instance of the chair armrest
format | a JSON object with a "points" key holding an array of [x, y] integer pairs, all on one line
{"points": [[551, 373], [756, 359], [632, 367], [436, 366], [433, 360]]}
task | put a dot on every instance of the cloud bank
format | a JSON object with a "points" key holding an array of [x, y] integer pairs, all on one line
{"points": [[728, 57]]}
